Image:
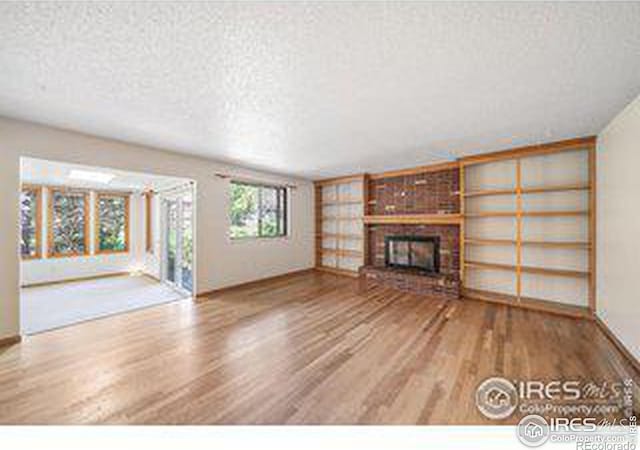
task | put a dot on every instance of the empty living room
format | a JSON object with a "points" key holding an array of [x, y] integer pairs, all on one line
{"points": [[344, 224]]}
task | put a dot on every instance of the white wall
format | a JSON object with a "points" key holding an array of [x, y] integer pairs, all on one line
{"points": [[44, 270], [220, 262], [618, 227]]}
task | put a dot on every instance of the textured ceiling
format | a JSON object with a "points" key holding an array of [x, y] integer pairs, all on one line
{"points": [[321, 89]]}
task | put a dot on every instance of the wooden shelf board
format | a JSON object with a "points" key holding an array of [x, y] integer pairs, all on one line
{"points": [[525, 214], [342, 252], [484, 192], [584, 143], [557, 188], [426, 219], [551, 244], [527, 303], [528, 269], [529, 190]]}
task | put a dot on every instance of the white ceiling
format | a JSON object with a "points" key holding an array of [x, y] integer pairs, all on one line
{"points": [[321, 89], [40, 171]]}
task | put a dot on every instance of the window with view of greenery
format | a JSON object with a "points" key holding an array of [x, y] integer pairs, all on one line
{"points": [[29, 214], [68, 223], [257, 210], [112, 216]]}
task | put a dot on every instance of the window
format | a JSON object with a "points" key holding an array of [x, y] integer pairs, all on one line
{"points": [[258, 211], [68, 223], [112, 223], [30, 222]]}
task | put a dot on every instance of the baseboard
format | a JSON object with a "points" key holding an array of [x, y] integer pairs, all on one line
{"points": [[11, 340], [151, 277], [203, 296], [618, 344], [575, 312], [334, 271], [72, 280]]}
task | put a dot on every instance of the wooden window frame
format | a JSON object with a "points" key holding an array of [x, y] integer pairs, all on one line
{"points": [[37, 190], [87, 199], [127, 228], [148, 200]]}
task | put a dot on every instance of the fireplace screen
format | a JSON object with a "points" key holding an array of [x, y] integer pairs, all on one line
{"points": [[416, 252]]}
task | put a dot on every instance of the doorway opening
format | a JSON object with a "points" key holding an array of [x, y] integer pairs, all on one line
{"points": [[97, 241]]}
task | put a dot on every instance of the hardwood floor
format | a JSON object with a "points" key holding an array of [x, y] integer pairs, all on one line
{"points": [[307, 349]]}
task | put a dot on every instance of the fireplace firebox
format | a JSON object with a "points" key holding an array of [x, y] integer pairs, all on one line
{"points": [[414, 252]]}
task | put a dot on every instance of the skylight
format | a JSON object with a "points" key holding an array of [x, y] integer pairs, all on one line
{"points": [[86, 175]]}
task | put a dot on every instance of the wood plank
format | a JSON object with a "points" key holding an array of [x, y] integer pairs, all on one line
{"points": [[531, 150], [453, 219], [550, 244], [304, 349], [9, 341], [529, 190], [526, 214], [557, 188], [529, 269], [488, 192]]}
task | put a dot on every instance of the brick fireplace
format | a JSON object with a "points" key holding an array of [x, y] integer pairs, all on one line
{"points": [[424, 198]]}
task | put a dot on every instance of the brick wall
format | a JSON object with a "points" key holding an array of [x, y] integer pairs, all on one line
{"points": [[425, 193]]}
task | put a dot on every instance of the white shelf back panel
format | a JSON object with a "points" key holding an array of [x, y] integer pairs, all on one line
{"points": [[570, 291], [500, 281], [498, 175], [556, 169], [491, 228]]}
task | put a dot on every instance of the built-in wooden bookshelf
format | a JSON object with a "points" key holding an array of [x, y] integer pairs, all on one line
{"points": [[529, 219], [340, 237]]}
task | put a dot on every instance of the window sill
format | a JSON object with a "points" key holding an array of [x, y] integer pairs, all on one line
{"points": [[241, 240], [110, 252]]}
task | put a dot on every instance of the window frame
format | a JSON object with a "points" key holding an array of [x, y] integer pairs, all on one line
{"points": [[104, 194], [284, 208], [50, 245], [37, 190], [148, 207]]}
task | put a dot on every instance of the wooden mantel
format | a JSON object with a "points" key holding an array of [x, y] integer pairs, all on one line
{"points": [[414, 219]]}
